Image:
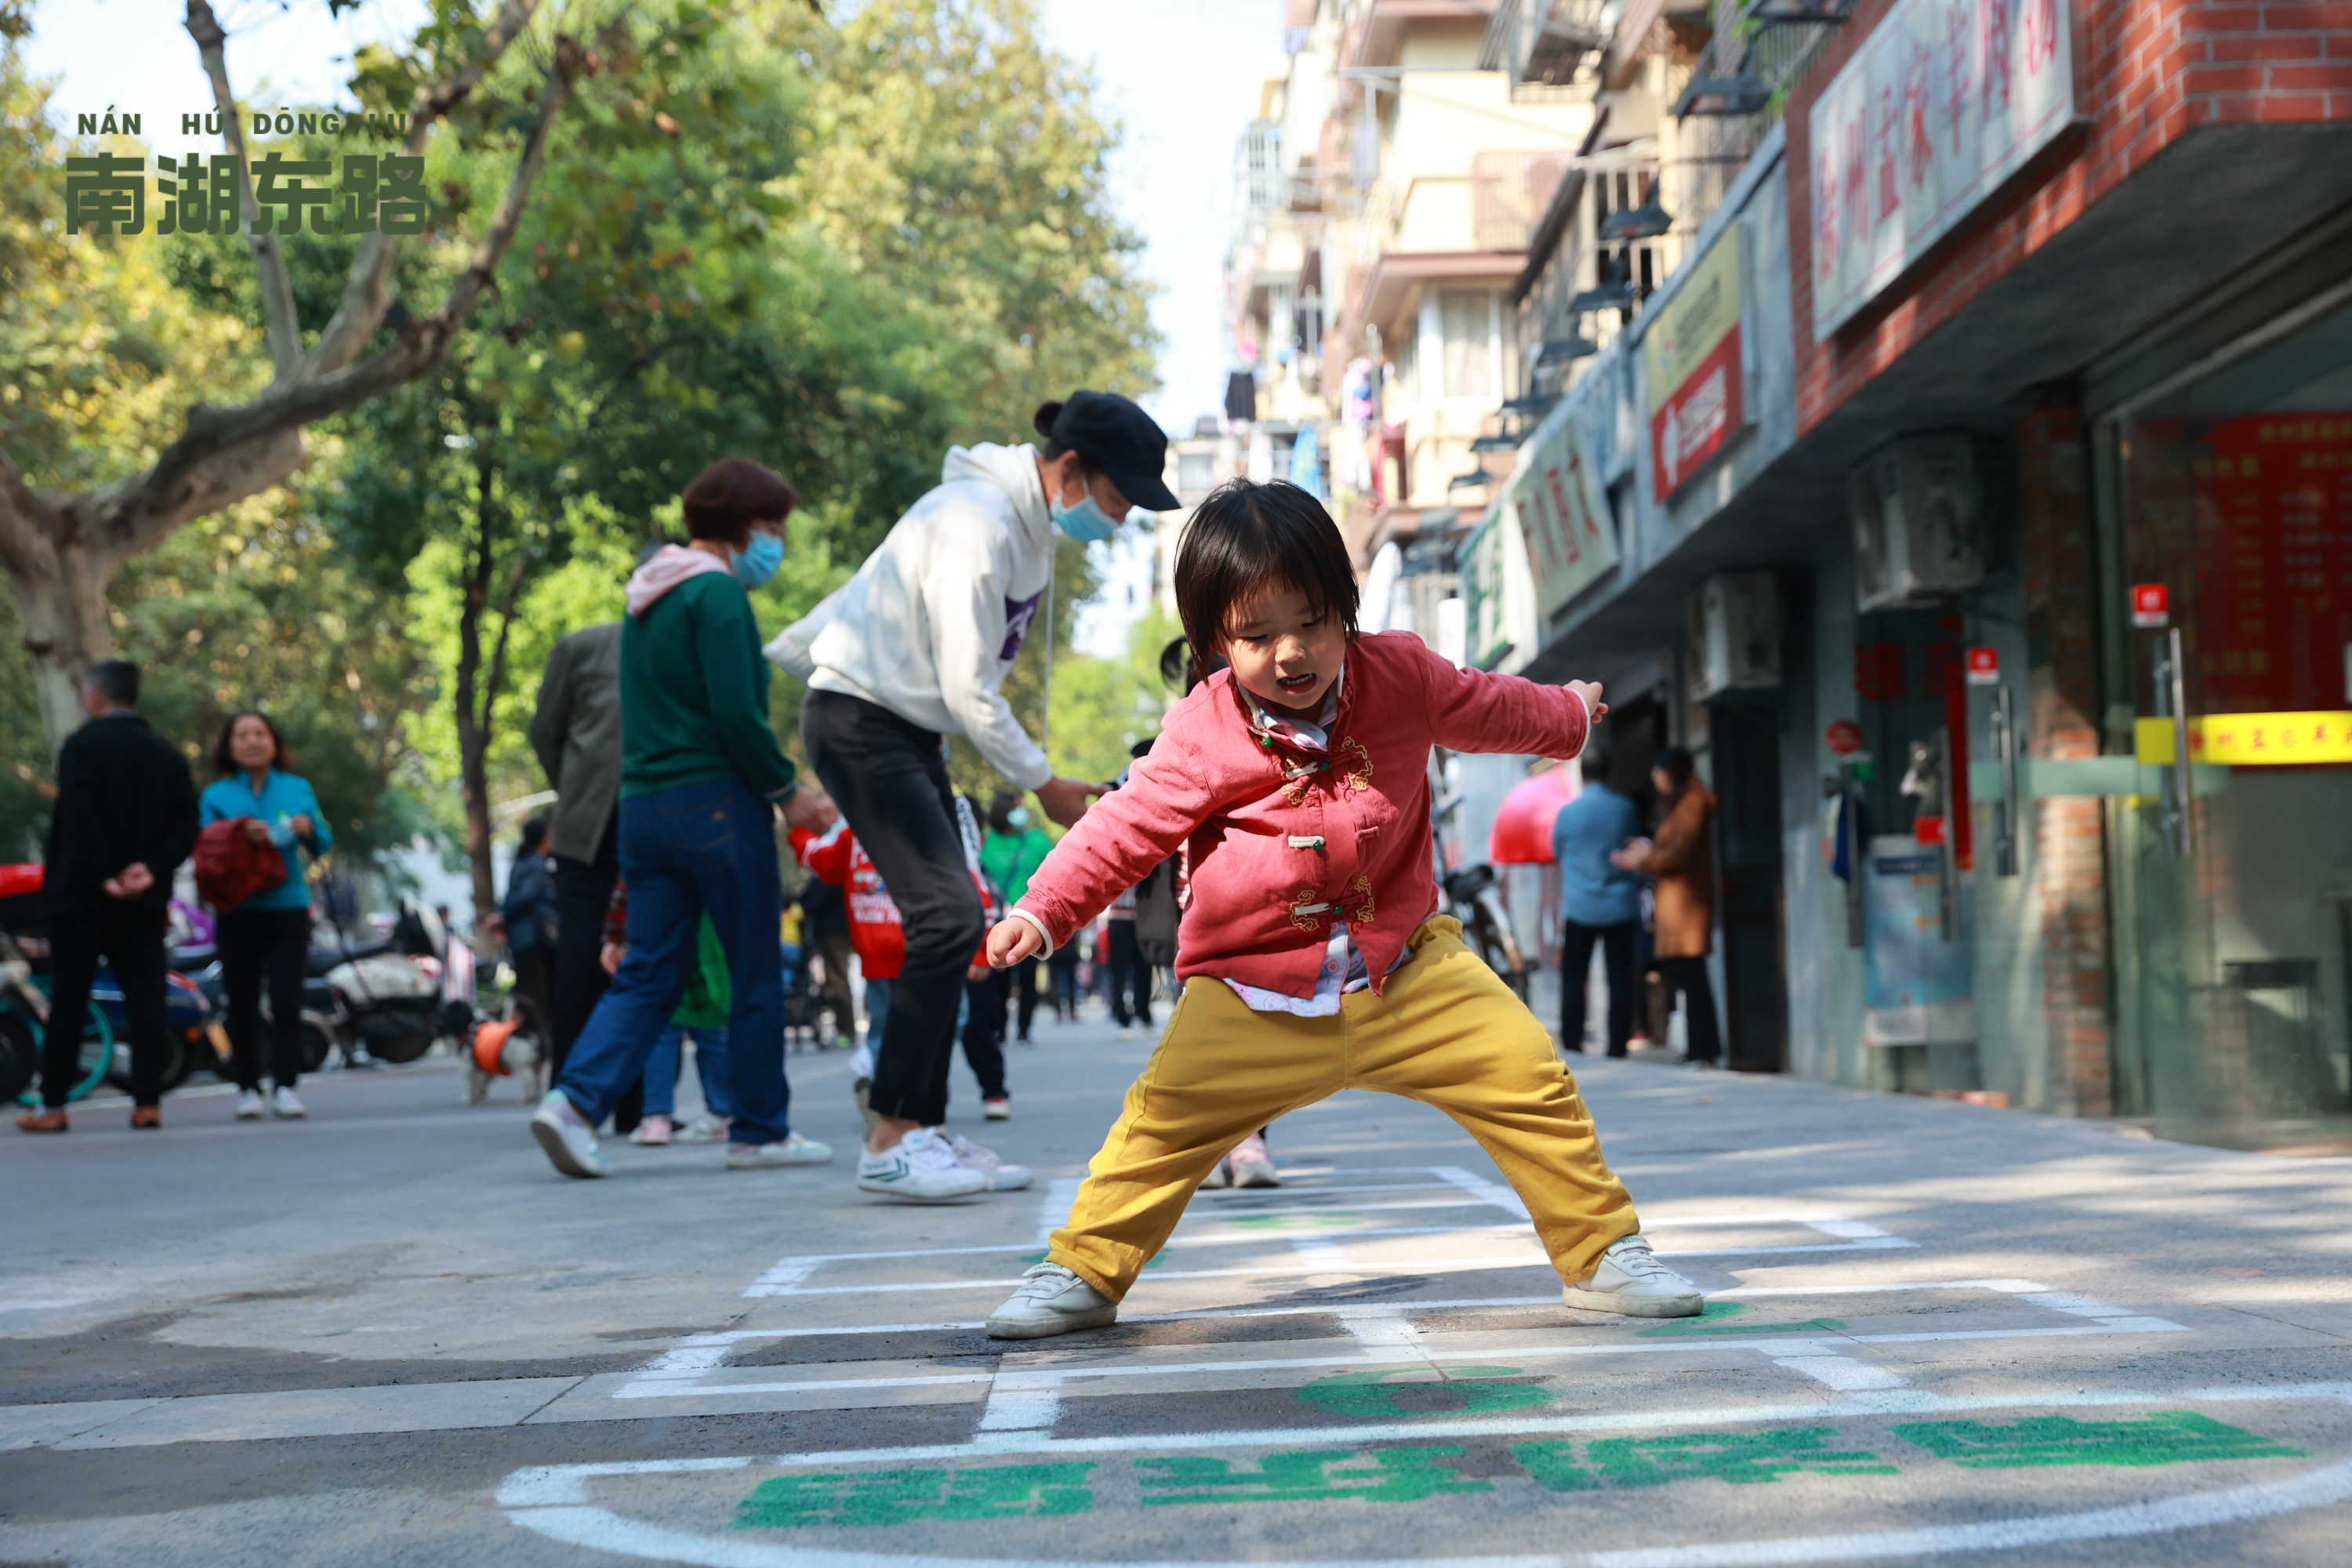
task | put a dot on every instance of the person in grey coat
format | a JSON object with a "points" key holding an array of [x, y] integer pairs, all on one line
{"points": [[577, 734]]}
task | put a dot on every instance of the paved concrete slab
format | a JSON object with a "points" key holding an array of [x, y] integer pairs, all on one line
{"points": [[1935, 1332]]}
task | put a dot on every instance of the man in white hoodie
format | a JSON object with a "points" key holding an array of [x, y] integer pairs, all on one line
{"points": [[915, 648]]}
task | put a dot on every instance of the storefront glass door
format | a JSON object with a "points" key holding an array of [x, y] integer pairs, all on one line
{"points": [[2232, 877]]}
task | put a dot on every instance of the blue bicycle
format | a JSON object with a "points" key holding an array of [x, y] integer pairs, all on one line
{"points": [[24, 1013]]}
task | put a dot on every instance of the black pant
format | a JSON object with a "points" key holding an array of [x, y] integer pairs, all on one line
{"points": [[1575, 967], [534, 968], [1062, 974], [984, 1033], [254, 943], [1688, 975], [583, 892], [1129, 975], [889, 777], [1023, 978], [131, 939]]}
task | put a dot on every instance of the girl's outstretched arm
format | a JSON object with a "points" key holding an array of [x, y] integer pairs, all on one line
{"points": [[1118, 842]]}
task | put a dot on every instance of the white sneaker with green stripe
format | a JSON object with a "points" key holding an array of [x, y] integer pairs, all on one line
{"points": [[922, 1169]]}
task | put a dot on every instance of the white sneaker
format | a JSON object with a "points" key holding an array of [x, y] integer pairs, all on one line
{"points": [[1051, 1300], [794, 1150], [1127, 1031], [565, 1134], [285, 1102], [861, 1062], [1221, 1175], [250, 1105], [1002, 1177], [996, 1110], [1252, 1166], [705, 1129], [653, 1130], [922, 1169], [1630, 1279]]}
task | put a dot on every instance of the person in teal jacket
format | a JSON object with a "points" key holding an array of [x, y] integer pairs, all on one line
{"points": [[1011, 853], [268, 935]]}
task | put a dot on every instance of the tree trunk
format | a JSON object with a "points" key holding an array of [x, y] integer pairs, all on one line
{"points": [[473, 714], [61, 600]]}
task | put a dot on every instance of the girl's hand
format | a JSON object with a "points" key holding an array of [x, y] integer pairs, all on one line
{"points": [[257, 830], [1012, 941], [610, 956], [1591, 691], [302, 826]]}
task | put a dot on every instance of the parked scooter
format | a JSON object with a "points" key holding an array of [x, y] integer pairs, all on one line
{"points": [[1473, 896]]}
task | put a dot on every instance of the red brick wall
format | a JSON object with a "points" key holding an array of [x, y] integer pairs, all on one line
{"points": [[2069, 864], [2145, 72]]}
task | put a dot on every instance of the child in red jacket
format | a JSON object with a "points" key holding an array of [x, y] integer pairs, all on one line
{"points": [[1299, 781], [877, 935]]}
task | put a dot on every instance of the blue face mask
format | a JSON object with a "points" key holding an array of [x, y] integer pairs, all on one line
{"points": [[1018, 817], [1086, 523], [757, 562]]}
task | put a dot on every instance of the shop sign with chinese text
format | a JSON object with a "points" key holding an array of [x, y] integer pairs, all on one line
{"points": [[2251, 740], [1691, 360], [1944, 100], [1562, 514]]}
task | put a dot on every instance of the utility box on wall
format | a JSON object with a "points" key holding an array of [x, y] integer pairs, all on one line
{"points": [[1916, 504], [1734, 622]]}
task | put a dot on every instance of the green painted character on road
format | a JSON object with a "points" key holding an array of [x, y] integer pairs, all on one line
{"points": [[2166, 1438], [1381, 1474], [1742, 1459], [902, 1497]]}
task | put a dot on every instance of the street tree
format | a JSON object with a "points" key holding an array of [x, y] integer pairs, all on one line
{"points": [[62, 547]]}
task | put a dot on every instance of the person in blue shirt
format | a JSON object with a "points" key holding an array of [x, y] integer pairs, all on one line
{"points": [[1599, 901], [269, 933]]}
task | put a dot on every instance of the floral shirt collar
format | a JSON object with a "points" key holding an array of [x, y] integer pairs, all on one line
{"points": [[1298, 732]]}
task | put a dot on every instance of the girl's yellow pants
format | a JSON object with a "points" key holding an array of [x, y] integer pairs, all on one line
{"points": [[1444, 1031]]}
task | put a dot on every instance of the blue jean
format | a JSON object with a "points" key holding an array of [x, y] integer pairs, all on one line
{"points": [[877, 1008], [709, 1066], [688, 851]]}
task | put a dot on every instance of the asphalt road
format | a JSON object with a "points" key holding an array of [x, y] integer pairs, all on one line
{"points": [[389, 1335]]}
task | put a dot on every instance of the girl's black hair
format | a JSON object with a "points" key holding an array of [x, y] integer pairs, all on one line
{"points": [[1044, 422], [1674, 762], [1000, 810], [1247, 538]]}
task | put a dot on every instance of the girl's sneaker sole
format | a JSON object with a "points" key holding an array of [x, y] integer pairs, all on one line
{"points": [[1615, 1302]]}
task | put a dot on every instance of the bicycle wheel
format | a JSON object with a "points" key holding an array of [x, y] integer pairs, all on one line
{"points": [[97, 1055], [19, 1054]]}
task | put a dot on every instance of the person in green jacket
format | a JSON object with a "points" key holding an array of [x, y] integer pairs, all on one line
{"points": [[701, 780], [1010, 855]]}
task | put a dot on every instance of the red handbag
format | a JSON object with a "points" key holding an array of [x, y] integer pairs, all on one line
{"points": [[231, 868]]}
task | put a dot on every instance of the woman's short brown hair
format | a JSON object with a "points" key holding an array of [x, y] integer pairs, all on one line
{"points": [[726, 498], [227, 764]]}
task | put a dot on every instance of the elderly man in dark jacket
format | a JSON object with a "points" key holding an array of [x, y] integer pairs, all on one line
{"points": [[576, 732], [125, 818]]}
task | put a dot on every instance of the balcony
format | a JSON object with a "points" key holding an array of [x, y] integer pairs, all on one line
{"points": [[1508, 194], [1545, 45]]}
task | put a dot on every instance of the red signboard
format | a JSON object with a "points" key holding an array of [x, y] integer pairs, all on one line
{"points": [[1844, 737], [2151, 604], [1698, 417], [1984, 667]]}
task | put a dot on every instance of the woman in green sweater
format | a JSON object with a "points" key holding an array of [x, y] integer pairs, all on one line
{"points": [[701, 780], [1010, 855]]}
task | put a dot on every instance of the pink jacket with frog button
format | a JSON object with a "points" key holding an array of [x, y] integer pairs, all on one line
{"points": [[1276, 832]]}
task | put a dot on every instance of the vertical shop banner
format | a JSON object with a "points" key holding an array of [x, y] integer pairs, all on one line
{"points": [[1562, 514], [1941, 103], [1691, 361]]}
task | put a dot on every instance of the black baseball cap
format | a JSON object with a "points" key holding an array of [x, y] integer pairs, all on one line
{"points": [[1119, 438]]}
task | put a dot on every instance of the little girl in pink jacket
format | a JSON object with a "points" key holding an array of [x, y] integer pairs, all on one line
{"points": [[1312, 956]]}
